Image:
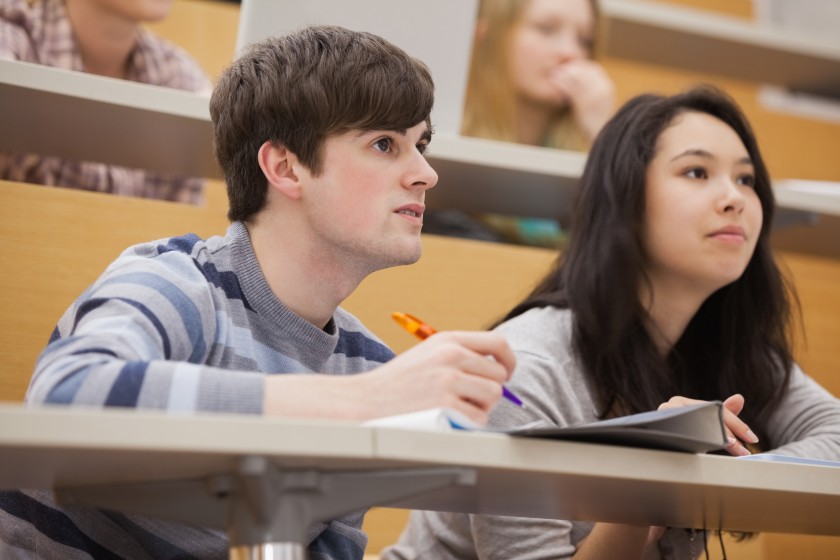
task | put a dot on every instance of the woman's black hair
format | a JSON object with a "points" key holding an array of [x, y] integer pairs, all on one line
{"points": [[738, 342]]}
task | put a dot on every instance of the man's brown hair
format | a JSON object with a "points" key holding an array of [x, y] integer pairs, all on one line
{"points": [[296, 90]]}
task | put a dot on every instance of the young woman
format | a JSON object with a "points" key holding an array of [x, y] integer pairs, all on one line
{"points": [[667, 294]]}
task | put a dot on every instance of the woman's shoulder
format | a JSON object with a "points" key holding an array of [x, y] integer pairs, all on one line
{"points": [[18, 30], [539, 327], [159, 62], [547, 376]]}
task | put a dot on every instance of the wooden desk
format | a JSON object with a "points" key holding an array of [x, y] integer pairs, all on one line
{"points": [[137, 461]]}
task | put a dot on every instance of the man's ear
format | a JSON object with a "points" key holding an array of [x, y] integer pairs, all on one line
{"points": [[277, 164]]}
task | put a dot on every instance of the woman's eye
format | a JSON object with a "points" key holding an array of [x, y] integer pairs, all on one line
{"points": [[546, 29], [747, 180], [586, 43], [383, 144], [696, 173]]}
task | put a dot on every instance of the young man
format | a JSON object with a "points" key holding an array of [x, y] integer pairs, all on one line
{"points": [[321, 136]]}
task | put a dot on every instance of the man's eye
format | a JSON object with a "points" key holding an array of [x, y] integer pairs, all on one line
{"points": [[422, 147], [383, 144]]}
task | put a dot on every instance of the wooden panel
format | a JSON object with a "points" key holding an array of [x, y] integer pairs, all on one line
{"points": [[55, 243], [817, 281], [206, 29], [384, 526], [785, 547], [738, 8], [457, 285]]}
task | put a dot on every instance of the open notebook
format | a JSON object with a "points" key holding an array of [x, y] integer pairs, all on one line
{"points": [[693, 429], [438, 32]]}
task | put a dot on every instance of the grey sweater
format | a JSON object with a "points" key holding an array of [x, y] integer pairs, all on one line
{"points": [[551, 381]]}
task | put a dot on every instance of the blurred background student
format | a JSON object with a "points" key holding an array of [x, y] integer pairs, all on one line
{"points": [[533, 80], [103, 37]]}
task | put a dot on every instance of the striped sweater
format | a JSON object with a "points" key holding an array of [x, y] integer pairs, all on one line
{"points": [[182, 325]]}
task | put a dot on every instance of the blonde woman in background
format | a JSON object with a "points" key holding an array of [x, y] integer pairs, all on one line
{"points": [[532, 81]]}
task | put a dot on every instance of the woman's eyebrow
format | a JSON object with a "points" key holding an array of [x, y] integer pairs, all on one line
{"points": [[698, 152], [694, 152]]}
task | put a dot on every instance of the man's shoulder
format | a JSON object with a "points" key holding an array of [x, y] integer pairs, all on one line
{"points": [[185, 256], [188, 246]]}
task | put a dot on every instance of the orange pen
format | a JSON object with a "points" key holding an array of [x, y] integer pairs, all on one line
{"points": [[422, 331], [413, 325]]}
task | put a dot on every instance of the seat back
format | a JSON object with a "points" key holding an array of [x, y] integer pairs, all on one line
{"points": [[55, 243]]}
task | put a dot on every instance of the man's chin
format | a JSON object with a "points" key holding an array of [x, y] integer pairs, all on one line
{"points": [[409, 255]]}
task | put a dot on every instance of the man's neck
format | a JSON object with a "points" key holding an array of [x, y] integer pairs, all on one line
{"points": [[105, 39], [301, 275]]}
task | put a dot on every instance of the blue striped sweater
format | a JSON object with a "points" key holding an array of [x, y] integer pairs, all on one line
{"points": [[182, 325]]}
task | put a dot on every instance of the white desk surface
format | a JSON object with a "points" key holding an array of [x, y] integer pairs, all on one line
{"points": [[56, 446]]}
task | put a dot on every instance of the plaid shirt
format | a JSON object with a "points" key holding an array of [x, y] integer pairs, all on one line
{"points": [[40, 32]]}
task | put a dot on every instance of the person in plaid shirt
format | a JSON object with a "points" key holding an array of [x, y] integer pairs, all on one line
{"points": [[101, 37]]}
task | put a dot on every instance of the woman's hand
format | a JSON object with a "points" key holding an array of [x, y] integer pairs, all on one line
{"points": [[737, 430], [590, 92]]}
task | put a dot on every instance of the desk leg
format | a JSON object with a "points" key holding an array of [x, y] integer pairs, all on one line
{"points": [[278, 507], [269, 551], [266, 510]]}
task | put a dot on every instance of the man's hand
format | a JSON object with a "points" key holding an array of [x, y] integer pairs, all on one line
{"points": [[463, 371]]}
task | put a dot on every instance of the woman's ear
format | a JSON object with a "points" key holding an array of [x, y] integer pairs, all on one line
{"points": [[277, 164]]}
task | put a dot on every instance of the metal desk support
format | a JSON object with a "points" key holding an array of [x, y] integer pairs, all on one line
{"points": [[266, 510]]}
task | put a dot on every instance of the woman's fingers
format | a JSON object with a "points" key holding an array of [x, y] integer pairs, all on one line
{"points": [[737, 431]]}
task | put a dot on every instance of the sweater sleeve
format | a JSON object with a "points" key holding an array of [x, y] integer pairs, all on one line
{"points": [[807, 421], [139, 337]]}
